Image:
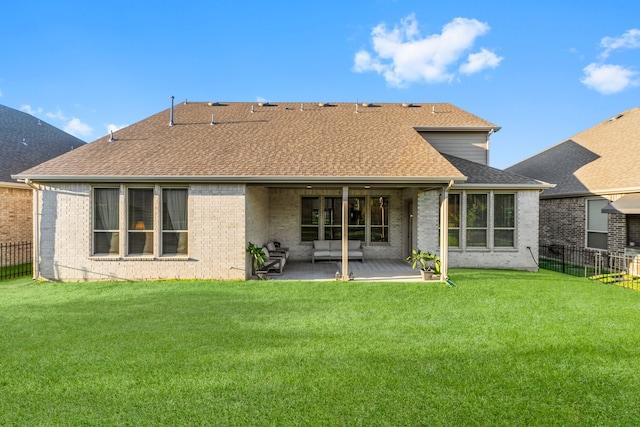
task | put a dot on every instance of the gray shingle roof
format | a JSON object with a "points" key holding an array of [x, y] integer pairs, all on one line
{"points": [[487, 176], [26, 141], [599, 160]]}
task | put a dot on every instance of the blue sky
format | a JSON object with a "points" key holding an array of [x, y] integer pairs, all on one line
{"points": [[543, 70]]}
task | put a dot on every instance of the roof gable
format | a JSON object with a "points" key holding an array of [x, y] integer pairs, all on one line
{"points": [[277, 141]]}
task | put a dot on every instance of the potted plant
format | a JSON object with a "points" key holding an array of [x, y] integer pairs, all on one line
{"points": [[257, 255], [428, 261]]}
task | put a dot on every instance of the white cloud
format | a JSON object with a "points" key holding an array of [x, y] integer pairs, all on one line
{"points": [[477, 62], [58, 115], [115, 128], [29, 110], [608, 79], [76, 128], [629, 40], [403, 56]]}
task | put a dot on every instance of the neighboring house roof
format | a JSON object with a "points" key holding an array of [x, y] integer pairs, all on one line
{"points": [[284, 142], [26, 141], [602, 159]]}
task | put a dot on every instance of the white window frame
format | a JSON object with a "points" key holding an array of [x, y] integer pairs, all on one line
{"points": [[588, 224], [490, 246], [93, 222], [181, 231]]}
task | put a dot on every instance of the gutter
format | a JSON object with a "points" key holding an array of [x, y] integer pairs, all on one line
{"points": [[457, 129], [300, 180], [541, 186]]}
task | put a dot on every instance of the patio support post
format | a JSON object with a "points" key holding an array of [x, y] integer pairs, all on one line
{"points": [[345, 233], [444, 232]]}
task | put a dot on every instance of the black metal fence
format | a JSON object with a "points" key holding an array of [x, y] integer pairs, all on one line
{"points": [[621, 269], [16, 259]]}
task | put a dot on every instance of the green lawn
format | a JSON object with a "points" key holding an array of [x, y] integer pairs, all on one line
{"points": [[502, 349]]}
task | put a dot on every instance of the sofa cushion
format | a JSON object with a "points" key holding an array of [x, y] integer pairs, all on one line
{"points": [[321, 244], [336, 245], [336, 253], [357, 252], [322, 252], [354, 244]]}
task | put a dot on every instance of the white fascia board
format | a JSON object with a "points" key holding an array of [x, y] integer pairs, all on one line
{"points": [[281, 180]]}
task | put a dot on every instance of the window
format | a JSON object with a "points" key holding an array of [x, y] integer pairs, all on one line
{"points": [[454, 220], [332, 218], [368, 218], [379, 219], [174, 221], [357, 218], [504, 220], [309, 230], [147, 211], [471, 226], [477, 220], [140, 221], [106, 221], [633, 230], [597, 224]]}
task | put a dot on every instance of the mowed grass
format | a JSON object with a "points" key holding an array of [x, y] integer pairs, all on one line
{"points": [[502, 349]]}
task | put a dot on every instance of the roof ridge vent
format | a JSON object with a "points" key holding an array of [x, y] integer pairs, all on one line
{"points": [[407, 104], [614, 118]]}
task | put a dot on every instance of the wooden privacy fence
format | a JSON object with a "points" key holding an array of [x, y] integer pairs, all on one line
{"points": [[616, 268], [16, 259]]}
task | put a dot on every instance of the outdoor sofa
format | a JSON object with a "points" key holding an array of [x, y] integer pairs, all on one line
{"points": [[332, 250]]}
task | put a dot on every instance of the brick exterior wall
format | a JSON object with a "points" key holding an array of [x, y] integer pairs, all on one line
{"points": [[563, 221], [617, 237], [217, 238], [16, 212], [224, 218], [523, 257]]}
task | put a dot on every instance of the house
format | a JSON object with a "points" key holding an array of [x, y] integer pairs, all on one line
{"points": [[596, 201], [181, 194], [25, 141]]}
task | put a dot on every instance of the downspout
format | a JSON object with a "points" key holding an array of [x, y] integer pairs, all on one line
{"points": [[36, 230], [444, 232]]}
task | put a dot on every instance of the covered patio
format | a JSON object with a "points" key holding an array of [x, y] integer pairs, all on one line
{"points": [[369, 271]]}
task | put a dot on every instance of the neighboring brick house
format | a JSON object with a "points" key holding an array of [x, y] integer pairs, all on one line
{"points": [[181, 193], [25, 141], [596, 201]]}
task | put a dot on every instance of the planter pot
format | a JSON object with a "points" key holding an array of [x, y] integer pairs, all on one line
{"points": [[426, 274]]}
